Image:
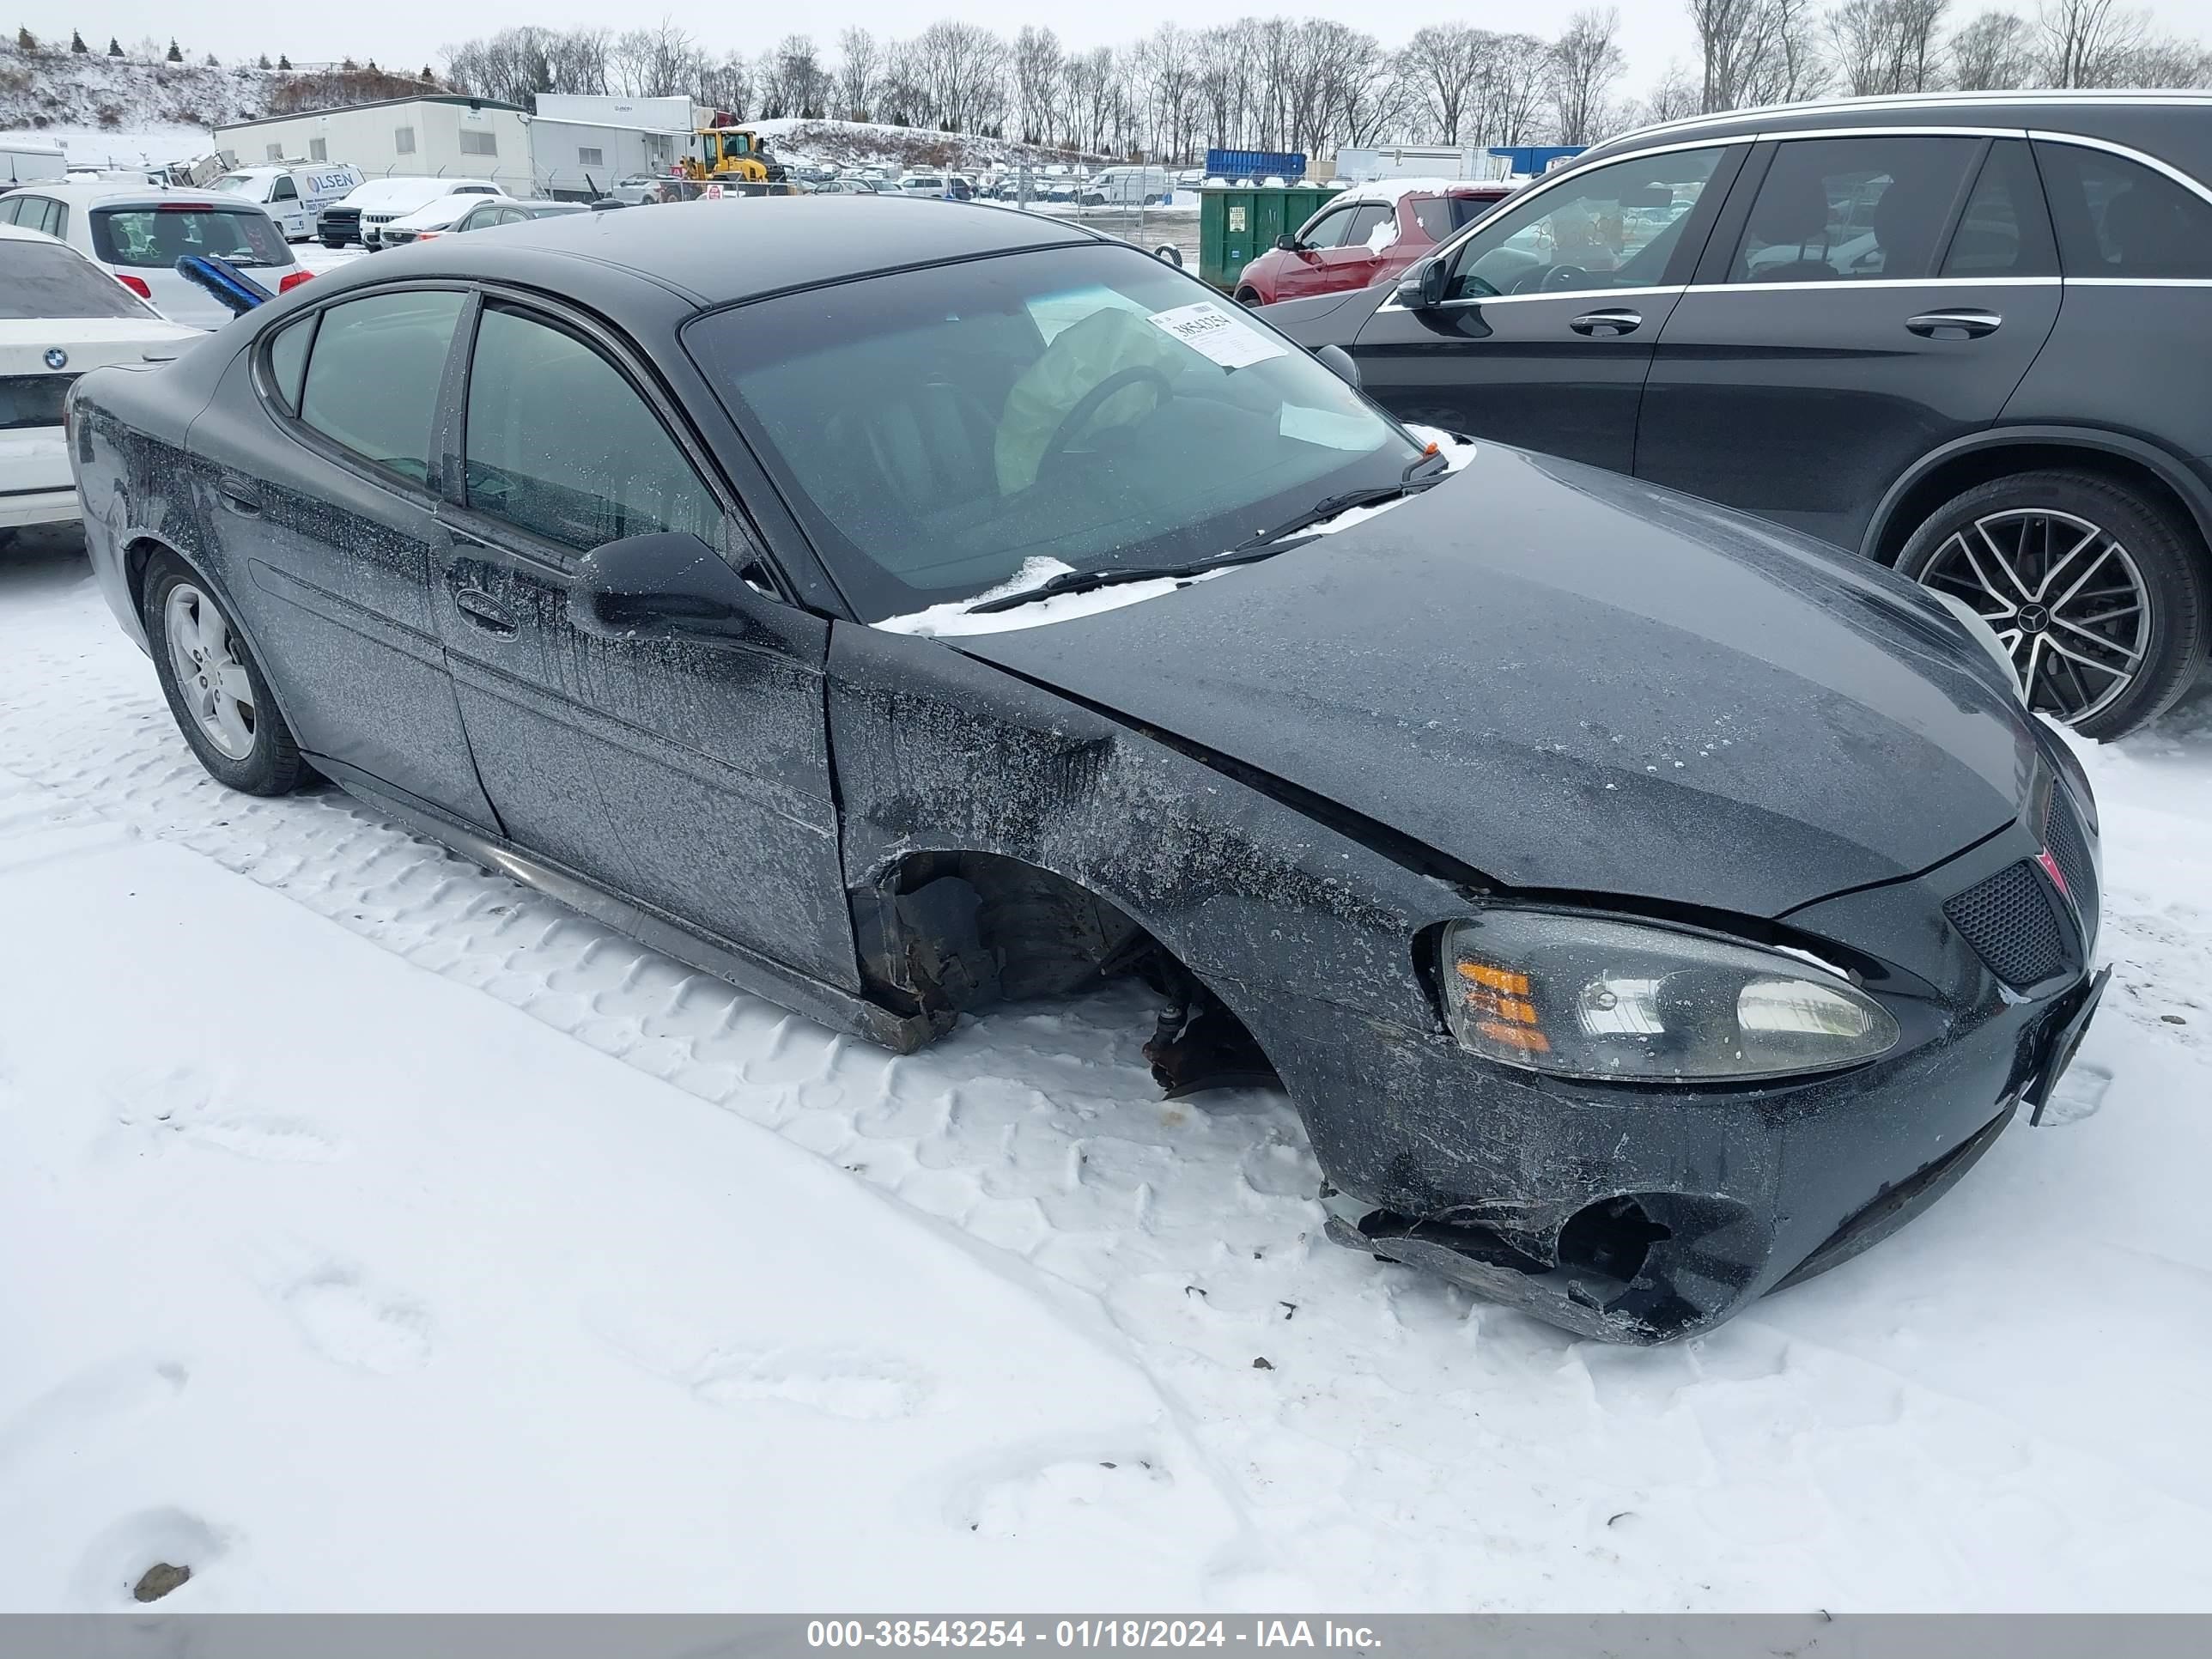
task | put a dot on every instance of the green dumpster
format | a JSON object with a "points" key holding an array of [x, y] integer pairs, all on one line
{"points": [[1237, 223]]}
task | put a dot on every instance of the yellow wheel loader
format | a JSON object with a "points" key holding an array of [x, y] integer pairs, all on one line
{"points": [[731, 153]]}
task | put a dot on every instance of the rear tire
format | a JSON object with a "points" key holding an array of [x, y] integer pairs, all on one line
{"points": [[1250, 297], [216, 689], [2101, 595]]}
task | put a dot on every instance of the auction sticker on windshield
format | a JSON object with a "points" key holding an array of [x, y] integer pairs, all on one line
{"points": [[1206, 328]]}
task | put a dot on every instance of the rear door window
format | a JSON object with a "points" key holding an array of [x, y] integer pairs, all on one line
{"points": [[2119, 218], [1843, 210], [155, 238], [41, 213], [561, 445], [372, 377], [1440, 216]]}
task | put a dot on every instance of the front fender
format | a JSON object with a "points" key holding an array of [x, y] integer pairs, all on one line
{"points": [[938, 752]]}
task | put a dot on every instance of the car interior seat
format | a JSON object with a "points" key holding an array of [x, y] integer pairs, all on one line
{"points": [[2147, 231], [1791, 209]]}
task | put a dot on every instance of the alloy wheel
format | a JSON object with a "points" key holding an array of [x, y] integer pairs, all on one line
{"points": [[218, 693], [2064, 597]]}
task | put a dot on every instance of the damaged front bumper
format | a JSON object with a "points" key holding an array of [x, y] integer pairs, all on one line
{"points": [[1642, 1217], [1645, 1214]]}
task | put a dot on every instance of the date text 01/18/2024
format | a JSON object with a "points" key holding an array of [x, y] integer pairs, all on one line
{"points": [[1080, 1633]]}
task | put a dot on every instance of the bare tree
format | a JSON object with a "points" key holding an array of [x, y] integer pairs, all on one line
{"points": [[961, 70], [1730, 35], [727, 86], [2081, 38], [1037, 75], [1886, 46], [1167, 66], [858, 60], [1585, 63], [1518, 74], [1440, 64], [1995, 53], [791, 79]]}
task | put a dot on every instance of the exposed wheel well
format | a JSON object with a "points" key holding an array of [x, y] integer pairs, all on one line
{"points": [[948, 934], [1980, 466], [1249, 295]]}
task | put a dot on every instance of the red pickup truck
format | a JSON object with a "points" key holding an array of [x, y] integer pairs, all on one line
{"points": [[1367, 234]]}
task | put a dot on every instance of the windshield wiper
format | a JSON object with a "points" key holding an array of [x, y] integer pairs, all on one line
{"points": [[1330, 506], [1265, 545], [1084, 582]]}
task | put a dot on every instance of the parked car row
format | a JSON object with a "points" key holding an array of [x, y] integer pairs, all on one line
{"points": [[902, 612]]}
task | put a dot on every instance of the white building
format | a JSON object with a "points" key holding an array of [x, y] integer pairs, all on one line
{"points": [[439, 135], [678, 114], [578, 161]]}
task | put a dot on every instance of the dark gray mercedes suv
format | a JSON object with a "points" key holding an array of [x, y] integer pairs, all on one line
{"points": [[1952, 333]]}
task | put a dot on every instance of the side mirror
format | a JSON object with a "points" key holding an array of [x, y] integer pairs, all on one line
{"points": [[1340, 363], [1422, 288], [666, 583], [1287, 243]]}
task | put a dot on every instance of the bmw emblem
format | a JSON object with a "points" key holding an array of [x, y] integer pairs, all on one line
{"points": [[57, 358]]}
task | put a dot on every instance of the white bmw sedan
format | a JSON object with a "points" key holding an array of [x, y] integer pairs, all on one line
{"points": [[60, 315]]}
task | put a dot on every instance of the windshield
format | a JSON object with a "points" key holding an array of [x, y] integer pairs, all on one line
{"points": [[155, 238], [37, 281], [938, 430], [238, 184]]}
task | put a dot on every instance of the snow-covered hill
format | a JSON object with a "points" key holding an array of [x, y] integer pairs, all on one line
{"points": [[51, 93], [870, 144]]}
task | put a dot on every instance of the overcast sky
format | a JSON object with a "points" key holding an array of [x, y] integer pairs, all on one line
{"points": [[396, 31]]}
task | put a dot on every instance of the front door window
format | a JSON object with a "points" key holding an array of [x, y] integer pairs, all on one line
{"points": [[1616, 227]]}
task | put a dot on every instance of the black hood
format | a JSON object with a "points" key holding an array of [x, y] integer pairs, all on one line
{"points": [[1569, 680]]}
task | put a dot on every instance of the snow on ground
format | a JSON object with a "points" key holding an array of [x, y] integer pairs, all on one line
{"points": [[383, 1235]]}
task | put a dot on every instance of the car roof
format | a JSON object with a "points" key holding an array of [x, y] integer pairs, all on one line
{"points": [[117, 195], [737, 248], [1997, 109]]}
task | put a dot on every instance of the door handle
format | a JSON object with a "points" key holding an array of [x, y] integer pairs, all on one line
{"points": [[1969, 325], [1616, 319], [241, 501], [484, 611]]}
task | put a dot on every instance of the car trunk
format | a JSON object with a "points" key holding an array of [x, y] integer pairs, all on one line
{"points": [[33, 456]]}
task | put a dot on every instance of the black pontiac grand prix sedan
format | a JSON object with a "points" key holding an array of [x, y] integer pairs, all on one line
{"points": [[900, 609]]}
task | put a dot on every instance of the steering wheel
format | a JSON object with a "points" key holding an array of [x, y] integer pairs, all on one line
{"points": [[1087, 407], [1559, 277]]}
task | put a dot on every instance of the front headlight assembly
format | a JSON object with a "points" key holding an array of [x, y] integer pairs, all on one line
{"points": [[1591, 997]]}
